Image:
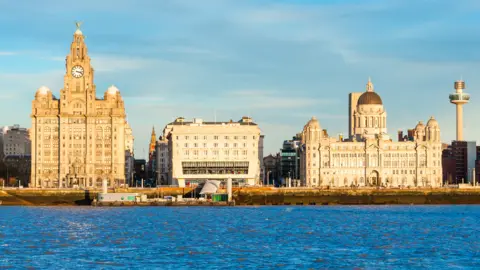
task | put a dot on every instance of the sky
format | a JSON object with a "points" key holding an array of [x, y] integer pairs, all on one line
{"points": [[280, 62]]}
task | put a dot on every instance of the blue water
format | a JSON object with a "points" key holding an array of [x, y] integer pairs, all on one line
{"points": [[371, 237]]}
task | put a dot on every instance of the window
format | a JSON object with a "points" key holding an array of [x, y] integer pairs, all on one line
{"points": [[215, 137], [226, 137]]}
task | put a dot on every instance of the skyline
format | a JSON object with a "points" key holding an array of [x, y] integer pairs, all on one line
{"points": [[301, 53]]}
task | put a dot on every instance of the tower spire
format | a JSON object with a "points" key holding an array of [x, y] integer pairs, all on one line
{"points": [[78, 24], [153, 140], [369, 85]]}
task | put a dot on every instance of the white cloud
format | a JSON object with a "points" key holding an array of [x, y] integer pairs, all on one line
{"points": [[189, 50], [26, 84], [269, 99], [115, 63], [4, 53], [7, 96]]}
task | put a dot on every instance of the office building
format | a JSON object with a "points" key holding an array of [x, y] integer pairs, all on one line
{"points": [[201, 150], [370, 157], [77, 138]]}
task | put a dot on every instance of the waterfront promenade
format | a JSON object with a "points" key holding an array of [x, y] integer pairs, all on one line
{"points": [[258, 196]]}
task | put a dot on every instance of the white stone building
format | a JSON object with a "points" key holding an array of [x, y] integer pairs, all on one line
{"points": [[213, 150], [370, 157]]}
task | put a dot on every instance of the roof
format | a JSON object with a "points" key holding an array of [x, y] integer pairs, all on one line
{"points": [[212, 123], [370, 98]]}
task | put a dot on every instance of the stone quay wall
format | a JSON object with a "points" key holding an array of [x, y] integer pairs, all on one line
{"points": [[257, 196]]}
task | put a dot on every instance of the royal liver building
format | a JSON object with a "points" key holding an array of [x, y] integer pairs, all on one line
{"points": [[370, 157], [77, 138]]}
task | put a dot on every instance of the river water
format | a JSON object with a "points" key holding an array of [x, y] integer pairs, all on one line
{"points": [[276, 237]]}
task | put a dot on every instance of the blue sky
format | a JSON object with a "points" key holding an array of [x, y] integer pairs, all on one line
{"points": [[280, 62]]}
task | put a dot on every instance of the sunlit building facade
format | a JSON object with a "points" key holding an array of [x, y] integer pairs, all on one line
{"points": [[201, 150], [77, 138], [369, 157]]}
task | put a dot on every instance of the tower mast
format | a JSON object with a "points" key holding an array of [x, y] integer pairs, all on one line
{"points": [[459, 98]]}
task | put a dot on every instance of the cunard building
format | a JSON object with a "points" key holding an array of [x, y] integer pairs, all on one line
{"points": [[77, 138], [370, 157]]}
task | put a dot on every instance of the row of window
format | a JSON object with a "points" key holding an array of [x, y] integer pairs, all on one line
{"points": [[374, 163], [205, 145], [75, 129], [360, 172], [386, 147], [215, 152], [215, 137]]}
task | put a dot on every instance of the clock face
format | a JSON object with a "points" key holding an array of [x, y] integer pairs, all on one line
{"points": [[77, 71]]}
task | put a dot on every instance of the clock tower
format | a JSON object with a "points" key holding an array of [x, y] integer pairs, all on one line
{"points": [[78, 139], [78, 86]]}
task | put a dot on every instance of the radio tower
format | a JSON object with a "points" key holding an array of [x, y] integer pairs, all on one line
{"points": [[459, 98]]}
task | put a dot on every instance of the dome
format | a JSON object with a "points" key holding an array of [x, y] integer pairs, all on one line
{"points": [[43, 90], [78, 32], [432, 122], [313, 123], [420, 125], [112, 90], [369, 98]]}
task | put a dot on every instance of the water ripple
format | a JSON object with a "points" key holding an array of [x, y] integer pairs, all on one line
{"points": [[304, 237]]}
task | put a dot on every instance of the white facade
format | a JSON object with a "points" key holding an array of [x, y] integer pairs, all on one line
{"points": [[371, 158], [213, 150], [369, 116]]}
